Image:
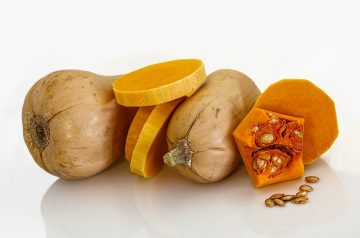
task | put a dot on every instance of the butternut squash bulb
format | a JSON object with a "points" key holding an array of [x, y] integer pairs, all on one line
{"points": [[199, 134], [72, 125]]}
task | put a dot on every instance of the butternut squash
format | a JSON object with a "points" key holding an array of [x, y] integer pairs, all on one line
{"points": [[271, 146], [301, 98], [149, 127], [199, 133], [159, 83], [72, 125]]}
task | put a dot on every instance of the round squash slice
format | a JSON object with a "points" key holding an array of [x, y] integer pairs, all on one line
{"points": [[137, 124], [146, 140], [159, 83]]}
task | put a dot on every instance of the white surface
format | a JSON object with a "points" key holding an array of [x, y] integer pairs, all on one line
{"points": [[268, 40]]}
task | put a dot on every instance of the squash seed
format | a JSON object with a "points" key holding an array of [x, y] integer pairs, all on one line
{"points": [[300, 200], [301, 194], [306, 188], [274, 120], [312, 179], [269, 202], [277, 195], [273, 169], [288, 197], [261, 164], [279, 202], [255, 129], [276, 160], [267, 138], [299, 134]]}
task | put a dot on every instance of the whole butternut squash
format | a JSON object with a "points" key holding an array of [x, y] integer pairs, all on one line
{"points": [[72, 125], [199, 133]]}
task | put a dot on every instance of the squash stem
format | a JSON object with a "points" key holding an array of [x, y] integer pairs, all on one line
{"points": [[170, 159], [181, 154]]}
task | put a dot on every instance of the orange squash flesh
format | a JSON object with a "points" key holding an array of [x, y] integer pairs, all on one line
{"points": [[154, 161], [146, 146], [159, 83], [301, 98], [137, 124], [271, 146]]}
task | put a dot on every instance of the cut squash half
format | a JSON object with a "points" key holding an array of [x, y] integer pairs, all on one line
{"points": [[301, 98]]}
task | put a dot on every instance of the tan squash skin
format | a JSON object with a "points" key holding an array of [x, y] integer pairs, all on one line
{"points": [[199, 133], [72, 125]]}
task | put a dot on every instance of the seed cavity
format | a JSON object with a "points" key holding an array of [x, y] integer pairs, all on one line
{"points": [[265, 156]]}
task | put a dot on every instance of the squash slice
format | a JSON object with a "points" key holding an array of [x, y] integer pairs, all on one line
{"points": [[159, 83], [150, 146]]}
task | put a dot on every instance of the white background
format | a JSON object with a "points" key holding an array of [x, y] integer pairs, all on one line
{"points": [[267, 40]]}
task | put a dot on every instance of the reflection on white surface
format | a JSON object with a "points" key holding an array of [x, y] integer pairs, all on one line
{"points": [[174, 207], [94, 207], [119, 204]]}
